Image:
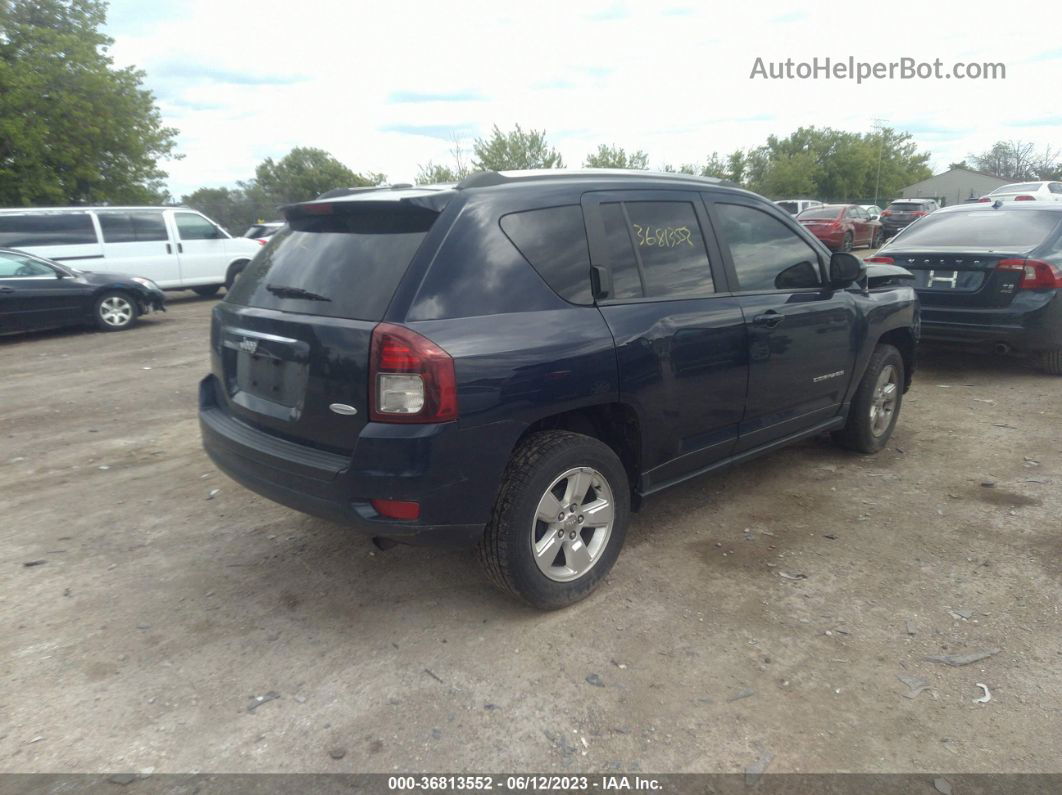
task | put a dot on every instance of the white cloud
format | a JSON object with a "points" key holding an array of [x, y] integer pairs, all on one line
{"points": [[378, 84]]}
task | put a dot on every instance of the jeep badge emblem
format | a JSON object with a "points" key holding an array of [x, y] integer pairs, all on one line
{"points": [[343, 408]]}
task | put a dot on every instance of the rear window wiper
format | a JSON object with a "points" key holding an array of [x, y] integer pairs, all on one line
{"points": [[295, 292]]}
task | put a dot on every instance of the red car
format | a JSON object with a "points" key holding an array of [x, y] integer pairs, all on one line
{"points": [[842, 227]]}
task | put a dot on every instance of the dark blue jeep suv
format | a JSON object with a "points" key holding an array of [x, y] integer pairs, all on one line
{"points": [[515, 361]]}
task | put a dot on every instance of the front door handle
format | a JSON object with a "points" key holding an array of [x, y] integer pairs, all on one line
{"points": [[180, 248], [768, 319]]}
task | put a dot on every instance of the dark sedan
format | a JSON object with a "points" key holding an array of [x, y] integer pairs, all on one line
{"points": [[37, 293], [988, 275], [842, 227]]}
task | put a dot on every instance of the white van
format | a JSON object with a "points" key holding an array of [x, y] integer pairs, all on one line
{"points": [[175, 247]]}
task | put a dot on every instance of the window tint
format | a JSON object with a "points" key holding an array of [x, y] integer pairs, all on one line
{"points": [[195, 227], [12, 266], [149, 226], [132, 227], [828, 212], [765, 251], [116, 227], [1055, 187], [626, 281], [344, 265], [999, 229], [667, 239], [553, 240], [46, 229]]}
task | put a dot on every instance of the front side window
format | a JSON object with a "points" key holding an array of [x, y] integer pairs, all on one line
{"points": [[14, 266], [767, 254], [553, 240], [46, 229], [195, 227]]}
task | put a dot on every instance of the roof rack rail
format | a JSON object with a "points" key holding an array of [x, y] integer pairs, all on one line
{"points": [[486, 179], [337, 192]]}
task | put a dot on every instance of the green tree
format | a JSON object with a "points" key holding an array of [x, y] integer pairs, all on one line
{"points": [[234, 208], [431, 173], [305, 173], [513, 150], [617, 157], [73, 128]]}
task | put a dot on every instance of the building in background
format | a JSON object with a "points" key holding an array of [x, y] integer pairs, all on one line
{"points": [[954, 186]]}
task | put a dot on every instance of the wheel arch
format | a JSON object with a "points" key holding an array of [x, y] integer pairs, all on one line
{"points": [[903, 339], [236, 266], [616, 424]]}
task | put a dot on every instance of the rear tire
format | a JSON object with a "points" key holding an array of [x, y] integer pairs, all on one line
{"points": [[115, 311], [1051, 362], [875, 241], [876, 405], [847, 244], [206, 290], [559, 519]]}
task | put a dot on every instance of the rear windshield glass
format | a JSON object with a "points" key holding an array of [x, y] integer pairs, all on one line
{"points": [[992, 229], [907, 207], [789, 207], [1020, 188], [820, 212], [345, 265]]}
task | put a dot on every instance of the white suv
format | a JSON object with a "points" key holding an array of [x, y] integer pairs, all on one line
{"points": [[175, 247]]}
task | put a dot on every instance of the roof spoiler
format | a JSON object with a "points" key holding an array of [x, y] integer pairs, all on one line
{"points": [[337, 192]]}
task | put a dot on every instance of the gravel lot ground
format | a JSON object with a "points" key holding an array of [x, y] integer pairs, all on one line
{"points": [[156, 615]]}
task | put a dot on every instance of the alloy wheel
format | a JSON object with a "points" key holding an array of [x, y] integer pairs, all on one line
{"points": [[572, 524], [116, 311], [883, 402]]}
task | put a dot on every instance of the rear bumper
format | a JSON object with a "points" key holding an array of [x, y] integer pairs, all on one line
{"points": [[335, 487], [890, 228], [1031, 324]]}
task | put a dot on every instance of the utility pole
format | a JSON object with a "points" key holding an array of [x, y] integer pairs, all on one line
{"points": [[879, 125]]}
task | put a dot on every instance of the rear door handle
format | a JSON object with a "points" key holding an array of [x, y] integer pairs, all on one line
{"points": [[169, 249], [768, 319]]}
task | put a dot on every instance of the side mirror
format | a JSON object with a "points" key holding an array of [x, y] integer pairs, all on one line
{"points": [[60, 274], [845, 269], [873, 218]]}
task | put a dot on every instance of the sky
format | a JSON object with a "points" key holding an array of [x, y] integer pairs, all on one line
{"points": [[386, 86]]}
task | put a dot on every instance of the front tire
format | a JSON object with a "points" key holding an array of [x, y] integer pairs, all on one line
{"points": [[115, 311], [559, 520], [847, 244], [206, 290], [876, 405], [1051, 362]]}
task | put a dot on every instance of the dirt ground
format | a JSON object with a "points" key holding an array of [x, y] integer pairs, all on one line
{"points": [[767, 610]]}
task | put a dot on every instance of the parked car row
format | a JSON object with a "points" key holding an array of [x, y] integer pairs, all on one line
{"points": [[842, 227]]}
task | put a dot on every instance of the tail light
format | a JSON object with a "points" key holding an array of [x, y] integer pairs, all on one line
{"points": [[1024, 198], [411, 379], [918, 213], [881, 260], [1034, 272], [984, 199], [396, 509], [261, 241]]}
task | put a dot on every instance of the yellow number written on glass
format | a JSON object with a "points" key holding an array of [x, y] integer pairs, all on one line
{"points": [[662, 236]]}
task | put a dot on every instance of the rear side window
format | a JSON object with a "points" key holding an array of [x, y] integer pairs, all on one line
{"points": [[767, 254], [46, 229], [663, 243], [995, 229], [344, 265], [790, 207], [132, 227], [553, 240]]}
